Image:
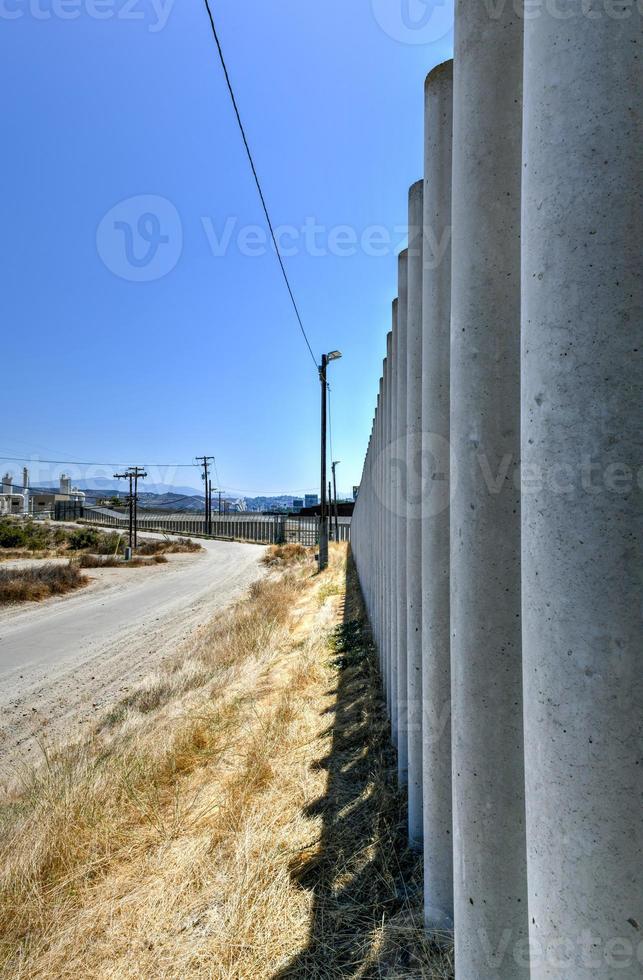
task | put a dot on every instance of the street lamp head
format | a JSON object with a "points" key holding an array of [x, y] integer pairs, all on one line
{"points": [[334, 355]]}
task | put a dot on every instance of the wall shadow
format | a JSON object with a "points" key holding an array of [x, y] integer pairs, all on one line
{"points": [[362, 874]]}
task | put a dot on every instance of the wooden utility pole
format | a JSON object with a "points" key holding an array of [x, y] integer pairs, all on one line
{"points": [[133, 474], [204, 461]]}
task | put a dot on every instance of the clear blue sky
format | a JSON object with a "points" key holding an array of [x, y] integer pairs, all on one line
{"points": [[97, 110]]}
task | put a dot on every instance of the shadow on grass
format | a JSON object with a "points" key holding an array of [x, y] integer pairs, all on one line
{"points": [[367, 911]]}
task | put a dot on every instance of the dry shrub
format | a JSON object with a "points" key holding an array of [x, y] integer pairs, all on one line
{"points": [[279, 555], [35, 584], [168, 546], [115, 561]]}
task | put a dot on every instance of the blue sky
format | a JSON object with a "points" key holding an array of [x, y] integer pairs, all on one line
{"points": [[112, 101]]}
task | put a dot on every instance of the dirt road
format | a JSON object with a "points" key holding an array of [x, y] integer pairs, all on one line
{"points": [[64, 660]]}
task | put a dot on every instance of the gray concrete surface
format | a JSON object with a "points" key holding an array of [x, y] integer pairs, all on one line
{"points": [[436, 666], [490, 887], [414, 512], [582, 444], [401, 508], [392, 476]]}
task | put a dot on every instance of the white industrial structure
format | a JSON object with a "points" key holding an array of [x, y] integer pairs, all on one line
{"points": [[24, 501]]}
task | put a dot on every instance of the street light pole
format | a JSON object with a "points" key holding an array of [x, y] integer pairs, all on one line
{"points": [[333, 465], [323, 526], [323, 521]]}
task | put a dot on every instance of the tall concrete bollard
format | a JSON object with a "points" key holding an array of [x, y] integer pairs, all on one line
{"points": [[376, 565], [414, 512], [400, 462], [436, 349], [490, 886], [386, 513], [392, 474], [582, 452]]}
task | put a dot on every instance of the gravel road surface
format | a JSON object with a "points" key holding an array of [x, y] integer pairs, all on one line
{"points": [[64, 660]]}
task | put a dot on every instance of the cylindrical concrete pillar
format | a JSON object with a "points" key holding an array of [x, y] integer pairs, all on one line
{"points": [[377, 522], [582, 446], [490, 886], [386, 511], [399, 461], [393, 477], [436, 350], [414, 512]]}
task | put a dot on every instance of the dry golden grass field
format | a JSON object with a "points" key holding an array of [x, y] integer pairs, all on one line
{"points": [[235, 816]]}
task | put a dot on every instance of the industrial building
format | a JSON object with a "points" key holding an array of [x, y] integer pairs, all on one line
{"points": [[24, 501]]}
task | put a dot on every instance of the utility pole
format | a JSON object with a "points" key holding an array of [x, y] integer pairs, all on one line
{"points": [[130, 501], [323, 521], [137, 473], [204, 461], [133, 474], [219, 503], [333, 465]]}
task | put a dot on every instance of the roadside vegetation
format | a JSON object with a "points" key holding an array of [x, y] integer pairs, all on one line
{"points": [[41, 582], [278, 555], [39, 539], [86, 547], [234, 816]]}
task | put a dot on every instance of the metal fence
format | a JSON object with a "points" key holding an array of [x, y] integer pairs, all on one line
{"points": [[253, 528]]}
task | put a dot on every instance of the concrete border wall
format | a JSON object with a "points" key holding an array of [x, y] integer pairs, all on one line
{"points": [[515, 596]]}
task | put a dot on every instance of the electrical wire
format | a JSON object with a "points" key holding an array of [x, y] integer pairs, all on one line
{"points": [[330, 425], [257, 181], [75, 462]]}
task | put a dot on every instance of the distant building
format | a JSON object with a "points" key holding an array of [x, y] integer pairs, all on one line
{"points": [[355, 492], [297, 504], [26, 500], [311, 500], [13, 500]]}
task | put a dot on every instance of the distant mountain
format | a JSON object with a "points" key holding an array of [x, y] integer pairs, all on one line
{"points": [[165, 496], [103, 484]]}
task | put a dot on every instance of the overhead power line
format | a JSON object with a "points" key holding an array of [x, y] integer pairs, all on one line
{"points": [[258, 183], [76, 462]]}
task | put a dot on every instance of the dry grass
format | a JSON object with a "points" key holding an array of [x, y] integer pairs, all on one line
{"points": [[116, 561], [35, 584], [233, 817], [279, 555], [168, 546]]}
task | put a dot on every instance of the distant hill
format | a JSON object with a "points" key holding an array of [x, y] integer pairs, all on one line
{"points": [[163, 496], [102, 483]]}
